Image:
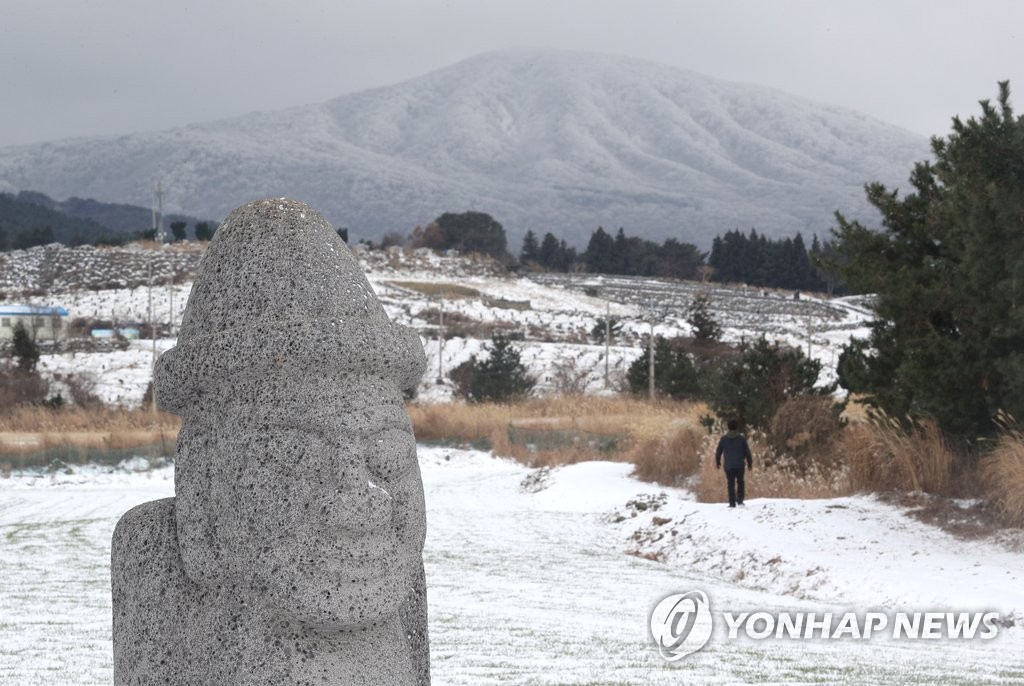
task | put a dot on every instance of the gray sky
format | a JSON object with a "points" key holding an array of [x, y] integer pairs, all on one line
{"points": [[87, 67]]}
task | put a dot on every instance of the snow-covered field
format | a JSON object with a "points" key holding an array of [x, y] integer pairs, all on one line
{"points": [[552, 314], [531, 580]]}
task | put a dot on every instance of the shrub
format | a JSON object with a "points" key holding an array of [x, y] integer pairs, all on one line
{"points": [[1003, 476], [669, 457], [706, 328], [753, 385], [806, 429], [18, 388], [25, 350], [674, 373], [883, 456], [501, 377]]}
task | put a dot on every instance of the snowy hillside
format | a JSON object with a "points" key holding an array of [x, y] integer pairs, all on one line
{"points": [[551, 315], [542, 140]]}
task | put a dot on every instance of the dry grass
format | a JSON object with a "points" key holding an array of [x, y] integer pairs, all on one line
{"points": [[806, 429], [669, 456], [1002, 472], [666, 442], [661, 438], [28, 429], [882, 456], [429, 288]]}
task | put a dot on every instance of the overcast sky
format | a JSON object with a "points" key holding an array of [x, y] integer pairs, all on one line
{"points": [[87, 67]]}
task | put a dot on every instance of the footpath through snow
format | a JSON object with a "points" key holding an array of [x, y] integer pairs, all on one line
{"points": [[530, 580]]}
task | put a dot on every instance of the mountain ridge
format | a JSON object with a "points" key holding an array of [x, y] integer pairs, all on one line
{"points": [[542, 140]]}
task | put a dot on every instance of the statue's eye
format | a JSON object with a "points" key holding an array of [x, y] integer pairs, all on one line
{"points": [[391, 453]]}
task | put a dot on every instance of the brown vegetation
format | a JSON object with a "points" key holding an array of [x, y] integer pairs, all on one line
{"points": [[882, 456], [808, 453], [29, 429], [661, 439], [432, 289], [1003, 475]]}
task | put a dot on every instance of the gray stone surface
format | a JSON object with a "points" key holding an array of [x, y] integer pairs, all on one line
{"points": [[292, 550]]}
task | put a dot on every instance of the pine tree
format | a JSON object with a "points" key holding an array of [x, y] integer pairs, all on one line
{"points": [[500, 377], [948, 270], [178, 230], [600, 252], [753, 385], [674, 373], [25, 350], [204, 231], [706, 328], [530, 251], [549, 254]]}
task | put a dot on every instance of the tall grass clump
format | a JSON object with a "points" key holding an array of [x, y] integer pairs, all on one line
{"points": [[806, 429], [1002, 471], [669, 456], [883, 456], [661, 438]]}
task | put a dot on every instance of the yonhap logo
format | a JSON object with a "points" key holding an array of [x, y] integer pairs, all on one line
{"points": [[681, 624]]}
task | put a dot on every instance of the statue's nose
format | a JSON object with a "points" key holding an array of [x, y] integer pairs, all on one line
{"points": [[357, 503]]}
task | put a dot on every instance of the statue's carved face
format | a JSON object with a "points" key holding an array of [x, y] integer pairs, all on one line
{"points": [[318, 510]]}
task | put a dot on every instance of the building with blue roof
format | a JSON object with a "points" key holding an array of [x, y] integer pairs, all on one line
{"points": [[43, 322]]}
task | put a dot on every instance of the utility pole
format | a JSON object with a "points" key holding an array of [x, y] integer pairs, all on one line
{"points": [[152, 332], [607, 338], [810, 329], [158, 213], [440, 341], [650, 370]]}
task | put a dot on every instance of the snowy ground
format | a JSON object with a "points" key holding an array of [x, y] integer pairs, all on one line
{"points": [[531, 581]]}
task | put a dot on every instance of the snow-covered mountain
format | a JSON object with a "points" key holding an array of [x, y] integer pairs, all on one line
{"points": [[542, 140]]}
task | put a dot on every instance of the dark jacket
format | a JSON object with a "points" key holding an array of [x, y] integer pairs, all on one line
{"points": [[734, 446]]}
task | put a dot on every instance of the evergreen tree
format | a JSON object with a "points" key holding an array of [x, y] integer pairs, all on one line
{"points": [[600, 253], [501, 377], [178, 230], [753, 384], [566, 256], [613, 326], [204, 231], [674, 373], [698, 315], [948, 270], [24, 349], [473, 232], [530, 251], [677, 260], [550, 252]]}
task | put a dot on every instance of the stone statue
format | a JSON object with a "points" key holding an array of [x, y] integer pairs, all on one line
{"points": [[293, 550]]}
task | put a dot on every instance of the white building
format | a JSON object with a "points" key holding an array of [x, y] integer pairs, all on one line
{"points": [[42, 323]]}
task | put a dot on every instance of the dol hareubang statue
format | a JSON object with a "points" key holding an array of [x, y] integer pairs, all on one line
{"points": [[292, 552]]}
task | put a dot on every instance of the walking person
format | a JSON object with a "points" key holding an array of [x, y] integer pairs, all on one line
{"points": [[736, 450]]}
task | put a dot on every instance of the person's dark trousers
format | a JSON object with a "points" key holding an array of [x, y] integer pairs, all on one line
{"points": [[734, 478]]}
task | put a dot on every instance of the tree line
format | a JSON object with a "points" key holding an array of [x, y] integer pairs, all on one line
{"points": [[735, 257]]}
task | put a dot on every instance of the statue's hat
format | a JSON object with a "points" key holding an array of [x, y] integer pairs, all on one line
{"points": [[278, 292]]}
